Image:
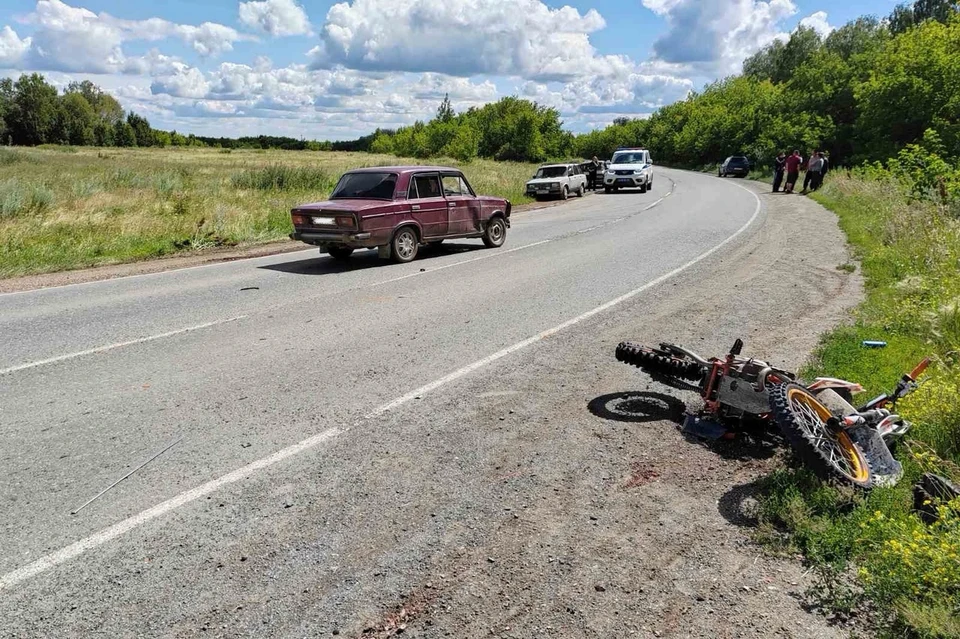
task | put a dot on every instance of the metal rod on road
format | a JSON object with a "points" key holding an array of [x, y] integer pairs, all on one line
{"points": [[105, 490]]}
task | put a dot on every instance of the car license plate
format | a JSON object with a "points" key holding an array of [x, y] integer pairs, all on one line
{"points": [[624, 181], [542, 192]]}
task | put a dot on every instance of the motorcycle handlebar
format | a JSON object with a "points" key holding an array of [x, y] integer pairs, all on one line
{"points": [[918, 371]]}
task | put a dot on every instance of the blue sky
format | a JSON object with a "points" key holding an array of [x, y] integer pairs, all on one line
{"points": [[330, 70]]}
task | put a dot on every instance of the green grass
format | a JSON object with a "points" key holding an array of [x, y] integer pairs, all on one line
{"points": [[71, 207], [872, 547]]}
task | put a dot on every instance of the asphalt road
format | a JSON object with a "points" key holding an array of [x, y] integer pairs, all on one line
{"points": [[308, 402]]}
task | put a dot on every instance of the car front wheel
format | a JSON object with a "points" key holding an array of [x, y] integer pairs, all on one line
{"points": [[496, 233], [405, 245], [580, 191], [565, 193]]}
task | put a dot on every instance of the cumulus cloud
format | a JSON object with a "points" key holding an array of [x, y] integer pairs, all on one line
{"points": [[275, 17], [468, 37], [717, 36], [12, 48], [75, 39], [818, 22]]}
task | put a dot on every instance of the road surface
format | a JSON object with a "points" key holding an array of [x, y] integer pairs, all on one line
{"points": [[358, 447]]}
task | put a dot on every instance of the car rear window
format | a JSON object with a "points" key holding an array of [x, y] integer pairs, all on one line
{"points": [[739, 160], [551, 172], [367, 186]]}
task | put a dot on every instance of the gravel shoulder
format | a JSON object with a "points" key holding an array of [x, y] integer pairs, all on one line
{"points": [[617, 527]]}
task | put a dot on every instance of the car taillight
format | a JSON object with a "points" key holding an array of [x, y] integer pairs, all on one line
{"points": [[345, 222], [299, 220]]}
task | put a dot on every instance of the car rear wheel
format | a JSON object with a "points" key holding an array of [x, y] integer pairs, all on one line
{"points": [[405, 245], [496, 233], [340, 253]]}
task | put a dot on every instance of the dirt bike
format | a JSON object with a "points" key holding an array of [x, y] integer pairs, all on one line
{"points": [[836, 440]]}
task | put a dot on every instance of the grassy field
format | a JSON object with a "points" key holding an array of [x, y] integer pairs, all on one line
{"points": [[873, 549], [64, 208]]}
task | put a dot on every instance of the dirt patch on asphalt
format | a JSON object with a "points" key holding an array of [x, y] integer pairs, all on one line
{"points": [[185, 259]]}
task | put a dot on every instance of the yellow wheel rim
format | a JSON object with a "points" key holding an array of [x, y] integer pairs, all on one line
{"points": [[837, 447]]}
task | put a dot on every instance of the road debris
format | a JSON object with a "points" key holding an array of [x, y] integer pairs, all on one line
{"points": [[111, 486]]}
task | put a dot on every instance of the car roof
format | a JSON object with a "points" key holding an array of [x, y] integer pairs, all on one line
{"points": [[404, 169], [560, 164]]}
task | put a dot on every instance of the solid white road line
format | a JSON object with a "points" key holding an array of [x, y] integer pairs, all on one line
{"points": [[110, 347], [77, 548]]}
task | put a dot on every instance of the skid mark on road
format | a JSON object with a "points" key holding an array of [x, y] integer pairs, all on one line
{"points": [[52, 560], [110, 347]]}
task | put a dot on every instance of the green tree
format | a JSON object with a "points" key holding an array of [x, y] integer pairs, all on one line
{"points": [[141, 129], [105, 106], [77, 119], [6, 108], [123, 134], [465, 144], [445, 111], [914, 85], [35, 110]]}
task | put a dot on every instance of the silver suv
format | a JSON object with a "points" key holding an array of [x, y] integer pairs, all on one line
{"points": [[629, 168]]}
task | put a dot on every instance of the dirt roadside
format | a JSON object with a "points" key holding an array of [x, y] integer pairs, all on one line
{"points": [[590, 524], [182, 260]]}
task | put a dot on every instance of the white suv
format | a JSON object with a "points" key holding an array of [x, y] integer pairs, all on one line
{"points": [[629, 168]]}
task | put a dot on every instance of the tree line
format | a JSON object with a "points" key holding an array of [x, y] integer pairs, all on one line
{"points": [[862, 93]]}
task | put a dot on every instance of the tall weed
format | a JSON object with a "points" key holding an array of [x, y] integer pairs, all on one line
{"points": [[277, 177]]}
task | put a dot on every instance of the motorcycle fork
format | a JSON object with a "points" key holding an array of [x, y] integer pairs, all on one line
{"points": [[717, 371]]}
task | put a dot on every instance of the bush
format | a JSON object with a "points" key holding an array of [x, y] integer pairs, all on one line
{"points": [[17, 198], [278, 177]]}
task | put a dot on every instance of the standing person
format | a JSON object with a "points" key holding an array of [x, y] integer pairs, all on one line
{"points": [[778, 165], [792, 165], [826, 165], [813, 172], [808, 178], [594, 172]]}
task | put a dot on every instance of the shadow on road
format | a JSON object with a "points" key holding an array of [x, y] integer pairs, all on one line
{"points": [[362, 259], [739, 505], [638, 407]]}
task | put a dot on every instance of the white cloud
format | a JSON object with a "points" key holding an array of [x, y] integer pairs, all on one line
{"points": [[184, 82], [818, 22], [12, 48], [717, 36], [502, 37], [275, 17], [69, 38]]}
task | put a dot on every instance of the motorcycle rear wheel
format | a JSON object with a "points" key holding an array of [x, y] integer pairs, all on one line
{"points": [[826, 449], [668, 365]]}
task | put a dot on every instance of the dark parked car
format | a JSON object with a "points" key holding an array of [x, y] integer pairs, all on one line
{"points": [[737, 165], [396, 209]]}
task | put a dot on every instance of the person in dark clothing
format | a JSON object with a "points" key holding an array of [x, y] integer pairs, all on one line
{"points": [[809, 176], [779, 163], [594, 173], [792, 165]]}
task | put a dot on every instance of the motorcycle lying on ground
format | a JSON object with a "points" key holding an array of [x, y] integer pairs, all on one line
{"points": [[839, 442]]}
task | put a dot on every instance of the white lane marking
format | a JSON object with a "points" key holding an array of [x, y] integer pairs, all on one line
{"points": [[77, 548], [110, 347], [107, 534]]}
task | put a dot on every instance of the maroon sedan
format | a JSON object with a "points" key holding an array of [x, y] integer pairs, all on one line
{"points": [[398, 208]]}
